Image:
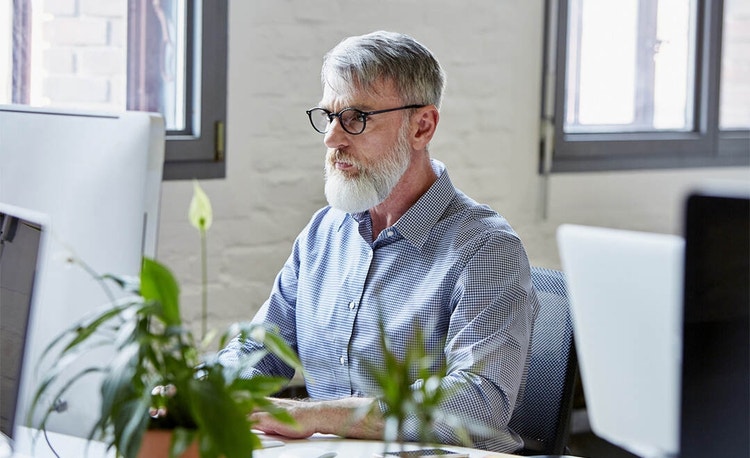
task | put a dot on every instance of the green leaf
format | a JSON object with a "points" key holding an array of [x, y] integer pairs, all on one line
{"points": [[130, 423], [200, 213], [226, 427], [125, 282], [269, 338], [90, 329], [117, 385], [278, 346], [158, 284], [47, 383], [260, 385]]}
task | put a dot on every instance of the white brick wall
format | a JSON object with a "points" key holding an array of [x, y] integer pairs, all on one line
{"points": [[82, 46], [60, 7], [62, 31]]}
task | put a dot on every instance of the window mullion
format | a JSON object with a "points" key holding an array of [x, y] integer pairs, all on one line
{"points": [[645, 66], [21, 72], [709, 67]]}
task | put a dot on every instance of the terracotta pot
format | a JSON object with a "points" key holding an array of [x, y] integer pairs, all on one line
{"points": [[156, 445]]}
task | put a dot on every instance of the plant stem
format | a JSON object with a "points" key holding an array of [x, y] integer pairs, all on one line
{"points": [[204, 286]]}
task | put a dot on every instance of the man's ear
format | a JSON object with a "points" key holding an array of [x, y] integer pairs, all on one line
{"points": [[424, 123]]}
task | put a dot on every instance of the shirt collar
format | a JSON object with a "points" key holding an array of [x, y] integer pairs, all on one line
{"points": [[416, 224]]}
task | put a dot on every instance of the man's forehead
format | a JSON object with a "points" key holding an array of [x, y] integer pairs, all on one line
{"points": [[356, 96]]}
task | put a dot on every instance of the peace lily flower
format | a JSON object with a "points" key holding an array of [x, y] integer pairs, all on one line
{"points": [[201, 217]]}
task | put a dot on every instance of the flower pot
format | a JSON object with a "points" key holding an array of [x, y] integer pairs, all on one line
{"points": [[156, 445]]}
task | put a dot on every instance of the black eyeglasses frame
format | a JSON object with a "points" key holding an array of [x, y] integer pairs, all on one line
{"points": [[363, 114]]}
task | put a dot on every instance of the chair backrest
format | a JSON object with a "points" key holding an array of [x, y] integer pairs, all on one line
{"points": [[543, 416]]}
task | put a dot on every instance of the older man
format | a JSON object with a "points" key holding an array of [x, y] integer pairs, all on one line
{"points": [[398, 246]]}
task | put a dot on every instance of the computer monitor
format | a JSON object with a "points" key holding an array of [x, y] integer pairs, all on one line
{"points": [[625, 291], [22, 235], [715, 400], [97, 176]]}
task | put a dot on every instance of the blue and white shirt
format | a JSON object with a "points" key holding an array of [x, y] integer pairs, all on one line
{"points": [[449, 265]]}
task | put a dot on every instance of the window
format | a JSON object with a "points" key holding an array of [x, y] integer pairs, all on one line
{"points": [[646, 84], [168, 56]]}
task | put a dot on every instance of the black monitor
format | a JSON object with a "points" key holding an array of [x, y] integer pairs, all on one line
{"points": [[715, 398]]}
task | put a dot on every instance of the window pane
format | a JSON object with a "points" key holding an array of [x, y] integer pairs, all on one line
{"points": [[629, 66], [6, 51], [157, 60], [734, 104], [78, 56], [673, 65]]}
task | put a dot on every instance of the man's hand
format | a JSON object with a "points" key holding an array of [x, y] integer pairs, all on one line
{"points": [[348, 417]]}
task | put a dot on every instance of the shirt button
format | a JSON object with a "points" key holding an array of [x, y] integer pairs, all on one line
{"points": [[389, 233], [352, 305], [342, 360]]}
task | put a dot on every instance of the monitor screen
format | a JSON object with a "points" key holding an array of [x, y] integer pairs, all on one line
{"points": [[97, 177], [715, 407], [20, 245]]}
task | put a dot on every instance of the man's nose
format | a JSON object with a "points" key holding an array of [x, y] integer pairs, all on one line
{"points": [[336, 136]]}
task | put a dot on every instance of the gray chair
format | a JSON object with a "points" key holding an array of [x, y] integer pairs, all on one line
{"points": [[543, 416]]}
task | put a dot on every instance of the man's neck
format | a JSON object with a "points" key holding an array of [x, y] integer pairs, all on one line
{"points": [[416, 181]]}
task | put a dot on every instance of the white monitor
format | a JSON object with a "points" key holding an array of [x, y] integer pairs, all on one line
{"points": [[97, 177], [625, 291]]}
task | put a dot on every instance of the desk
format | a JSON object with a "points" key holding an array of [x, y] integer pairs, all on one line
{"points": [[352, 448], [76, 447], [66, 446]]}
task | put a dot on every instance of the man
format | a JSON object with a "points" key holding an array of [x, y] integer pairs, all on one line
{"points": [[398, 246]]}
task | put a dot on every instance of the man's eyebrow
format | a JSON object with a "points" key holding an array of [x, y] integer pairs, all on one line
{"points": [[328, 105]]}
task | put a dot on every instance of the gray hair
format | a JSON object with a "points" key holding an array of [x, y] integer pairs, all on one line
{"points": [[357, 63]]}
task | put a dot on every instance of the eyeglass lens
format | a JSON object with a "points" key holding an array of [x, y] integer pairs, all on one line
{"points": [[352, 120]]}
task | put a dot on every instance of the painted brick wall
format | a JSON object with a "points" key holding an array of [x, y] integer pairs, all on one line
{"points": [[82, 44]]}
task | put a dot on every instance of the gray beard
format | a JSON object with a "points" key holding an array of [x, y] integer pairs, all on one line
{"points": [[371, 186]]}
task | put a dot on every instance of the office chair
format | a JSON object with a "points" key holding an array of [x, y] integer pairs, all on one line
{"points": [[543, 416]]}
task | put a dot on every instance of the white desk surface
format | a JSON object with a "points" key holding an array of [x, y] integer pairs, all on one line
{"points": [[76, 447], [347, 448], [30, 443]]}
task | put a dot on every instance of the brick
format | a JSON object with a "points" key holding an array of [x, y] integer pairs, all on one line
{"points": [[104, 8], [102, 61], [76, 89], [76, 31], [118, 32], [59, 60], [60, 7]]}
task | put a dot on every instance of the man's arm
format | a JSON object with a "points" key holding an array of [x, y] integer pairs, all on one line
{"points": [[487, 346], [354, 417]]}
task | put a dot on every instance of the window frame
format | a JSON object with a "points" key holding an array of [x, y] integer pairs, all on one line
{"points": [[705, 146], [198, 151]]}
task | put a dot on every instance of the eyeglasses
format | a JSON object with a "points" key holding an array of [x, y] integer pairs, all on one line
{"points": [[352, 120]]}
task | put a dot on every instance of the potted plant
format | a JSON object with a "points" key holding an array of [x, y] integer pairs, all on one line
{"points": [[404, 399], [161, 381]]}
